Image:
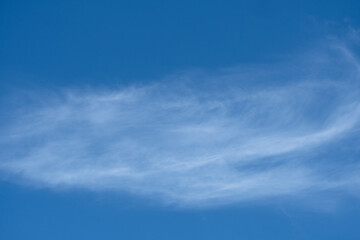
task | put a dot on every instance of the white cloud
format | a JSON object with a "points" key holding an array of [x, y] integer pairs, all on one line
{"points": [[235, 135]]}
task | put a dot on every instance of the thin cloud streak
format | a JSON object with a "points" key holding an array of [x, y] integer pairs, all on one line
{"points": [[215, 139]]}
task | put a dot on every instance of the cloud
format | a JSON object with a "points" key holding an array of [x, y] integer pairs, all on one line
{"points": [[198, 138]]}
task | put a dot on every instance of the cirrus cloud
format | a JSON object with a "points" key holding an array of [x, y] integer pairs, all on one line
{"points": [[239, 134]]}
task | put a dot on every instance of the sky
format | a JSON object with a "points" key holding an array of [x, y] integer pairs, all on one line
{"points": [[179, 120]]}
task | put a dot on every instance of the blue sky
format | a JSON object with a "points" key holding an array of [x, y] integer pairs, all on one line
{"points": [[179, 120]]}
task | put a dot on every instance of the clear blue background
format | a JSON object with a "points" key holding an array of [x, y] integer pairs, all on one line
{"points": [[54, 44]]}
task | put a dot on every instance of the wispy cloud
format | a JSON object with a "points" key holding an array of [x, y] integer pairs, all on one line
{"points": [[199, 138]]}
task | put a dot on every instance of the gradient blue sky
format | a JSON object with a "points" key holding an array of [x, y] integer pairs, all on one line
{"points": [[179, 120]]}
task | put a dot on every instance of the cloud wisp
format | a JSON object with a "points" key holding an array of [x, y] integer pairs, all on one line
{"points": [[240, 134]]}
